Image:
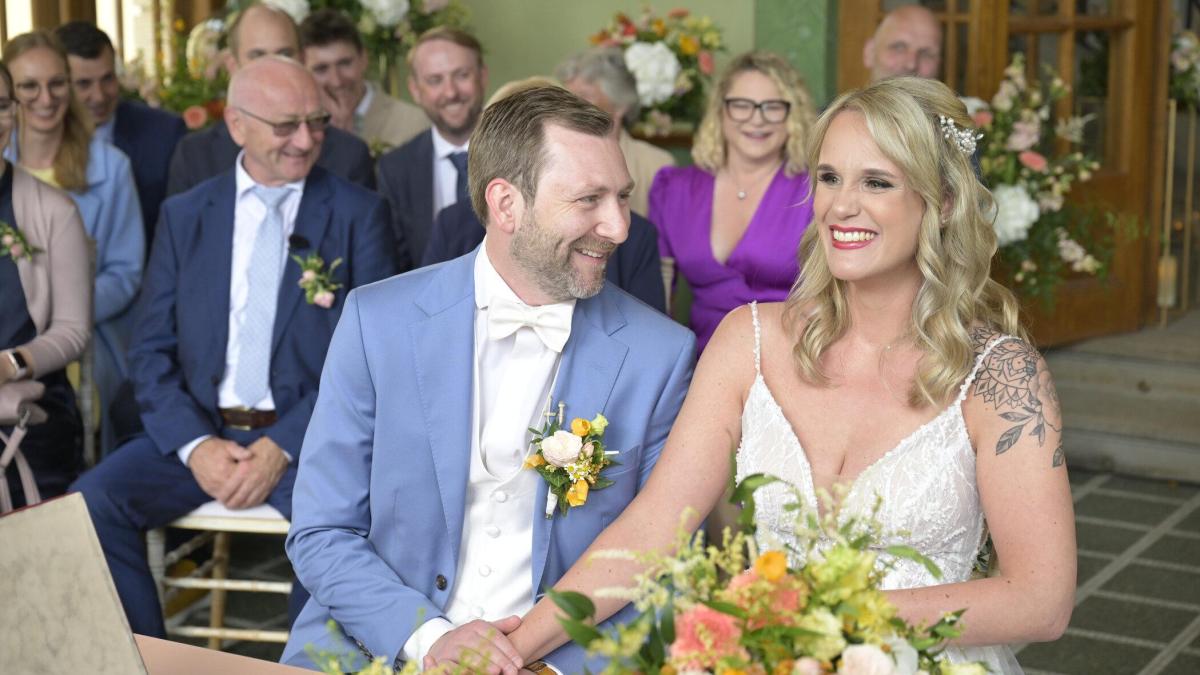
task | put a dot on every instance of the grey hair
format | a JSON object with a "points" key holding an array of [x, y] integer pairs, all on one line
{"points": [[605, 67]]}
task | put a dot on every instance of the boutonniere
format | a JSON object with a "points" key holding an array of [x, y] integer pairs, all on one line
{"points": [[316, 281], [570, 459], [14, 244]]}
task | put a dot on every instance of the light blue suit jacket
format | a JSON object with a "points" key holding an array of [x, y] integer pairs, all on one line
{"points": [[378, 506]]}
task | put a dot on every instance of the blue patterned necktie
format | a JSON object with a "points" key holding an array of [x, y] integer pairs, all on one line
{"points": [[459, 160], [252, 380]]}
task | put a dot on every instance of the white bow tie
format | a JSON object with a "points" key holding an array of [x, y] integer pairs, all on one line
{"points": [[551, 323]]}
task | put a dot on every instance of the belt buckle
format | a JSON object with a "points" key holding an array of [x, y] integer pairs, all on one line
{"points": [[241, 427]]}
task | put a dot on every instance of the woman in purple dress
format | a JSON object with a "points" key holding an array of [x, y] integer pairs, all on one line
{"points": [[731, 224]]}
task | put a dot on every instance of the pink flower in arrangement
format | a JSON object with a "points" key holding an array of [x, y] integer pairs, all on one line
{"points": [[16, 250], [7, 240], [195, 117], [705, 60], [307, 277], [982, 118], [323, 299], [678, 13], [703, 636], [1033, 161], [1024, 135], [807, 665]]}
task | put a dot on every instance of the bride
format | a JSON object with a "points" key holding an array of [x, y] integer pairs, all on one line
{"points": [[895, 368]]}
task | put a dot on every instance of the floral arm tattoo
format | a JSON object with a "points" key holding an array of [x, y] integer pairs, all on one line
{"points": [[1014, 380]]}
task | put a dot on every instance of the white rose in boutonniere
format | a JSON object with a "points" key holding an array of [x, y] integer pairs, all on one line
{"points": [[562, 448], [570, 458]]}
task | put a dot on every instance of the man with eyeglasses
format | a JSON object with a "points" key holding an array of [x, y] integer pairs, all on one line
{"points": [[146, 135], [258, 31], [244, 286]]}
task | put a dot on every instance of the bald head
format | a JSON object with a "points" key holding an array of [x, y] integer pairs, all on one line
{"points": [[273, 110], [907, 42], [261, 30]]}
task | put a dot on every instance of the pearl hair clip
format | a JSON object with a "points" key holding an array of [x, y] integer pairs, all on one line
{"points": [[964, 138]]}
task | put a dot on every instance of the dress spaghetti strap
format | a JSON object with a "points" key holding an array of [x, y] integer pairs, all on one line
{"points": [[757, 338], [962, 392]]}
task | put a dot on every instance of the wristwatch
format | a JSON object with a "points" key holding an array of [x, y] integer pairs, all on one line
{"points": [[540, 667], [20, 368]]}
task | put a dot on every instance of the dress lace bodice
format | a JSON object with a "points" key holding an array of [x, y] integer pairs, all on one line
{"points": [[930, 499]]}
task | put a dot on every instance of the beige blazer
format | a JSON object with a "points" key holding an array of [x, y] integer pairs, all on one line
{"points": [[391, 122], [58, 281], [644, 160]]}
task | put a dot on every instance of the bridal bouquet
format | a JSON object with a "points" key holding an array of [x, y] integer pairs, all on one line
{"points": [[727, 610], [1023, 162], [672, 59]]}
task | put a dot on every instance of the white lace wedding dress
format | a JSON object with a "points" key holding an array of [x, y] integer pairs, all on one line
{"points": [[927, 482]]}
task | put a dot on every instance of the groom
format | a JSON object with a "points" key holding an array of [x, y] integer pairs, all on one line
{"points": [[414, 525]]}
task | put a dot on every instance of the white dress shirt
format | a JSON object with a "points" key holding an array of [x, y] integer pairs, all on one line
{"points": [[364, 104], [445, 176], [248, 213], [495, 575]]}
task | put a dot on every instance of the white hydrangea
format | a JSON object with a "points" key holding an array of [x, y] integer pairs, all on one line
{"points": [[297, 9], [387, 13], [656, 68], [1015, 213]]}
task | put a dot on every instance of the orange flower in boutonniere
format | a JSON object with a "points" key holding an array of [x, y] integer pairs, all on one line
{"points": [[570, 460]]}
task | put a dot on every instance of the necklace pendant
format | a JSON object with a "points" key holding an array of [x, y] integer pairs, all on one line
{"points": [[741, 194]]}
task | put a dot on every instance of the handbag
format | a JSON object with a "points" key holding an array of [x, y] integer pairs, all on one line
{"points": [[18, 408]]}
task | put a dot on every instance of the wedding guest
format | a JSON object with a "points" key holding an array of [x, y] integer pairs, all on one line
{"points": [[259, 30], [334, 53], [600, 77], [44, 310], [229, 346], [907, 42], [54, 142], [416, 527], [731, 224], [146, 135], [447, 79], [634, 267]]}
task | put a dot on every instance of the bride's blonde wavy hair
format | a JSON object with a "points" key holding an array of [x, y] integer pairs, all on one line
{"points": [[955, 243]]}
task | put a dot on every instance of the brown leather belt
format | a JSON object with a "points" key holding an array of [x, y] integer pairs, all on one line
{"points": [[246, 419]]}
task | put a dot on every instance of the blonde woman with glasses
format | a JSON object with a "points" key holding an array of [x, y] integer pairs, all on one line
{"points": [[731, 223], [53, 141], [896, 369]]}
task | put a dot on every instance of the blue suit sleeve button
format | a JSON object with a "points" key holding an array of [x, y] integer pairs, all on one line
{"points": [[440, 582]]}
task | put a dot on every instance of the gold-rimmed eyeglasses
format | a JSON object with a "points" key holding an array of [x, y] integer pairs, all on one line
{"points": [[317, 124]]}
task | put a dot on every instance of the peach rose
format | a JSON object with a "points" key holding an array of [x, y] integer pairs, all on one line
{"points": [[323, 299], [703, 636], [982, 118], [195, 117], [1033, 161], [705, 60]]}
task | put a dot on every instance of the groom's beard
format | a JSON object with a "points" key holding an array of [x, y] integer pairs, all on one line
{"points": [[549, 261]]}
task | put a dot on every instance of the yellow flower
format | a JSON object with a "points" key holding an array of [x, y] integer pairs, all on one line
{"points": [[577, 495], [771, 565], [660, 27], [732, 671], [688, 45], [580, 427], [180, 25], [599, 424], [534, 461]]}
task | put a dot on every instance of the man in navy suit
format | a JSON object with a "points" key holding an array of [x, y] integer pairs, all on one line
{"points": [[228, 347], [146, 135], [447, 79], [635, 267], [258, 31]]}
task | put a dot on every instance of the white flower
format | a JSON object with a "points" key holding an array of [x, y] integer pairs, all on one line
{"points": [[297, 9], [387, 13], [905, 655], [1015, 213], [1003, 100], [866, 660], [973, 104], [655, 67], [562, 448]]}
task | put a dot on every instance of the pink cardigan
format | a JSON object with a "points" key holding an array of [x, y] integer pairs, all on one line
{"points": [[58, 281]]}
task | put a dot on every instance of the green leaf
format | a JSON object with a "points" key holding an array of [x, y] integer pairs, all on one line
{"points": [[726, 608], [581, 633], [743, 493], [575, 605], [667, 625], [913, 554]]}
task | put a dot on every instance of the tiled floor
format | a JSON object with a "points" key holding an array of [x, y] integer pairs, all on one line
{"points": [[1137, 605]]}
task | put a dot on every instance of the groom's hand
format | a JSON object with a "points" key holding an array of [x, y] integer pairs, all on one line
{"points": [[481, 642]]}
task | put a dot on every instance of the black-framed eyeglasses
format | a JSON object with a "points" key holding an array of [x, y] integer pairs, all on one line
{"points": [[317, 124], [7, 106], [742, 109], [29, 90]]}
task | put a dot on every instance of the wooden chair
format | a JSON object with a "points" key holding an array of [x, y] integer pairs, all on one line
{"points": [[215, 523]]}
